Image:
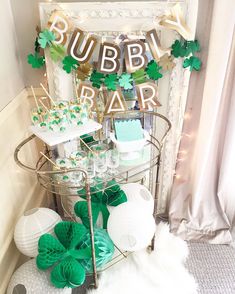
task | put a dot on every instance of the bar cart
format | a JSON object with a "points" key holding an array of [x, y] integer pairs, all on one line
{"points": [[146, 170]]}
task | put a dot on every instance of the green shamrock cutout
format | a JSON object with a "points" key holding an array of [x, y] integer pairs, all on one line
{"points": [[35, 60], [69, 63], [178, 49], [152, 70], [69, 253], [139, 76], [110, 82], [45, 38], [96, 79], [192, 46], [63, 254], [125, 81], [184, 49], [57, 52], [193, 62], [112, 195]]}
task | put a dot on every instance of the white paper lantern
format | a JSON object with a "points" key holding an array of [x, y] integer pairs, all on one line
{"points": [[130, 227], [140, 194], [28, 279], [31, 226]]}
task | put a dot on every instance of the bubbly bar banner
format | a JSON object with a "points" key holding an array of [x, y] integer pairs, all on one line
{"points": [[139, 72]]}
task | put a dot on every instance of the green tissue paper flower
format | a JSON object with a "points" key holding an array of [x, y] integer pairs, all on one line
{"points": [[45, 38], [153, 70], [112, 195], [193, 62], [35, 60], [125, 81], [69, 63]]}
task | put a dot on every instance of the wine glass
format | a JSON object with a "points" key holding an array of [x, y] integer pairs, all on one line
{"points": [[100, 164], [90, 167], [113, 160]]}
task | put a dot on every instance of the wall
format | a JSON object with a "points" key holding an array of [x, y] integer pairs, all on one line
{"points": [[11, 80], [19, 188]]}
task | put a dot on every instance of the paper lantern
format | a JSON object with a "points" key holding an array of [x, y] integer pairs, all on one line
{"points": [[28, 279], [131, 227], [31, 226], [140, 194], [104, 249]]}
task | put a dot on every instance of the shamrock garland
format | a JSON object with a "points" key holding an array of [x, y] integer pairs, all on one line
{"points": [[45, 38], [69, 63], [97, 79], [185, 49], [69, 255], [125, 81], [111, 82], [152, 71], [112, 195], [36, 60], [57, 52]]}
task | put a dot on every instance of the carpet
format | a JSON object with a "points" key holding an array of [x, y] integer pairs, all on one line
{"points": [[163, 271], [213, 266]]}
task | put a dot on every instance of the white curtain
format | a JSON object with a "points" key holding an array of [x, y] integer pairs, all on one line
{"points": [[202, 205]]}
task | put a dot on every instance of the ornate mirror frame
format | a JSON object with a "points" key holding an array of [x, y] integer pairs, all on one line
{"points": [[112, 19]]}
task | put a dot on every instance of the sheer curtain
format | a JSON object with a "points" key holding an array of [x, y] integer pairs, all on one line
{"points": [[202, 204]]}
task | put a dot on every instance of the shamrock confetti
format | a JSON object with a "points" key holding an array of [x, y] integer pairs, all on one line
{"points": [[69, 63], [45, 38], [96, 79], [83, 71], [35, 60], [152, 70], [194, 63], [57, 52], [139, 76], [110, 82], [166, 62], [125, 81]]}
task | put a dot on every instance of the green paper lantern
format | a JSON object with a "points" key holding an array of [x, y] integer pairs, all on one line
{"points": [[104, 249]]}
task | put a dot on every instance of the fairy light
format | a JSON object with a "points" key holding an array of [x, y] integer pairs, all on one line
{"points": [[187, 116]]}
